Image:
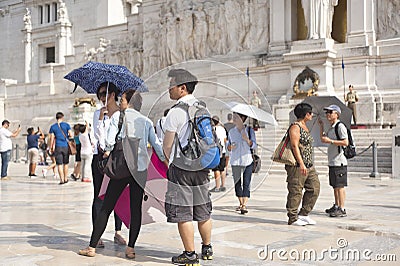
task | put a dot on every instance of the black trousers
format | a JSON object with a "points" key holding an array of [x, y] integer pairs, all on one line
{"points": [[97, 202], [114, 190]]}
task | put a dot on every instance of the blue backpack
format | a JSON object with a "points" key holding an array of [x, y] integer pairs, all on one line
{"points": [[203, 150]]}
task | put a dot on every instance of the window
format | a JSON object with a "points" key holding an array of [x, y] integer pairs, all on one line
{"points": [[41, 14], [48, 13], [55, 11], [50, 55]]}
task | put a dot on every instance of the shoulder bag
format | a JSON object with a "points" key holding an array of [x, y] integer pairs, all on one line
{"points": [[283, 152], [71, 143], [256, 158], [120, 164]]}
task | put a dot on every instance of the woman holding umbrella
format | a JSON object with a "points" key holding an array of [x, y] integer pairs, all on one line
{"points": [[107, 93], [134, 125], [241, 139]]}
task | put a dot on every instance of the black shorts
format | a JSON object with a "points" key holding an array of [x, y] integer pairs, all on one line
{"points": [[222, 164], [62, 156], [187, 198], [338, 176], [78, 153]]}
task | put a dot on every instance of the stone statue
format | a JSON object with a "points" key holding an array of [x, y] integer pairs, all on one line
{"points": [[62, 13], [200, 32], [318, 15], [27, 19], [232, 20], [103, 43]]}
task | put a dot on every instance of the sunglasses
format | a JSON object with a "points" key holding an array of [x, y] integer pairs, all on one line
{"points": [[102, 94], [328, 112]]}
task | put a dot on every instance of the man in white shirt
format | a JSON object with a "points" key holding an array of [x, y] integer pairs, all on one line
{"points": [[187, 198], [160, 126], [6, 146]]}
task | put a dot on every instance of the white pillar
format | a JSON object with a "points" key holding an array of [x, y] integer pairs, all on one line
{"points": [[280, 22], [28, 55], [361, 20], [52, 87]]}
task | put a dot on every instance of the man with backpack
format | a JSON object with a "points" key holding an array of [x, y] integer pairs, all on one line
{"points": [[337, 138], [187, 198]]}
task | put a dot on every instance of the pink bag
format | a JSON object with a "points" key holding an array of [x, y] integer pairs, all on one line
{"points": [[156, 187], [157, 169]]}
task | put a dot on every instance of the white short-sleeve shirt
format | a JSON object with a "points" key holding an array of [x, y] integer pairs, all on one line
{"points": [[177, 121], [5, 139]]}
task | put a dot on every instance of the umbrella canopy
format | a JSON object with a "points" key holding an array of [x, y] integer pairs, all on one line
{"points": [[92, 74], [318, 103], [253, 112]]}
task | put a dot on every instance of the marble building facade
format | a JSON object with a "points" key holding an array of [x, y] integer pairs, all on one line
{"points": [[42, 40]]}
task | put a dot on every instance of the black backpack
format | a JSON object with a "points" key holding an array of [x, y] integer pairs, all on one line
{"points": [[350, 149]]}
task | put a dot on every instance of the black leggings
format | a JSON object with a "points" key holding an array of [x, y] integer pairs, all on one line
{"points": [[114, 190], [97, 202]]}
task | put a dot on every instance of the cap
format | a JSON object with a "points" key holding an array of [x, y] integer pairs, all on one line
{"points": [[333, 107], [215, 119]]}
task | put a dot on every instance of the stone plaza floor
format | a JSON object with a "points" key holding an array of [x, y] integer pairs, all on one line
{"points": [[43, 223]]}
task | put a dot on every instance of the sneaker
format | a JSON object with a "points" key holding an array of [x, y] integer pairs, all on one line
{"points": [[222, 188], [44, 172], [206, 252], [307, 219], [184, 259], [215, 190], [331, 209], [339, 212], [299, 223], [5, 178]]}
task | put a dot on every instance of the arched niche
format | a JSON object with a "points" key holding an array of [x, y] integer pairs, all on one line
{"points": [[339, 22]]}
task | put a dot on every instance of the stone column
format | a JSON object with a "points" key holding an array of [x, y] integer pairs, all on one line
{"points": [[361, 17], [52, 87], [28, 54], [280, 22]]}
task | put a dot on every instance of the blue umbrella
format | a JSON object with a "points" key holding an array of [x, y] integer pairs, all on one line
{"points": [[92, 74]]}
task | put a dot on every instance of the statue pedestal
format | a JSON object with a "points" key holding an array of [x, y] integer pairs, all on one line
{"points": [[283, 108], [318, 55], [81, 113]]}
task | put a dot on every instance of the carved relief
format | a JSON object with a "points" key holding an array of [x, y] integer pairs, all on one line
{"points": [[302, 91], [185, 30], [388, 19]]}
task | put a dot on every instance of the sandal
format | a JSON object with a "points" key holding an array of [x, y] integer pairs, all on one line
{"points": [[243, 210], [100, 244], [88, 252], [130, 253], [61, 183], [238, 208], [118, 239]]}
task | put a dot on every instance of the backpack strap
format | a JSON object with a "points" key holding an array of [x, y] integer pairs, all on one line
{"points": [[337, 134], [185, 107]]}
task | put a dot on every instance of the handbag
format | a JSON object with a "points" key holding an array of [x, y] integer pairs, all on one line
{"points": [[283, 152], [120, 164], [256, 158], [71, 143]]}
